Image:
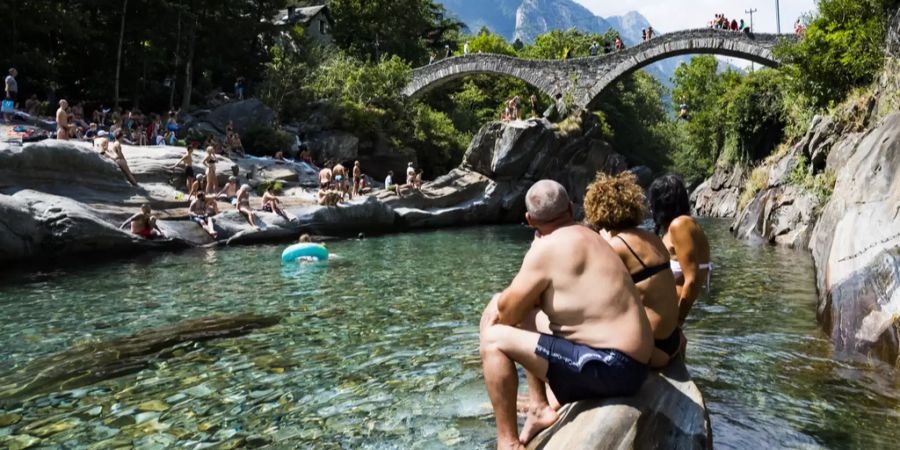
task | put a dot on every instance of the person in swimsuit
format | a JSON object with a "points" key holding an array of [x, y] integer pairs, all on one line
{"points": [[197, 187], [212, 182], [229, 191], [143, 224], [199, 212], [325, 176], [357, 174], [188, 162], [614, 205], [62, 121], [571, 317], [340, 179], [686, 242], [116, 148], [272, 204], [243, 205]]}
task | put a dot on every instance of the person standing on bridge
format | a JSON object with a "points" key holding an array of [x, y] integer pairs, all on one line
{"points": [[649, 33], [431, 59], [644, 35], [466, 48], [734, 25], [619, 44], [741, 26], [448, 52], [595, 48]]}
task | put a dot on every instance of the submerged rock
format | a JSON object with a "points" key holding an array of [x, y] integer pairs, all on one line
{"points": [[667, 413], [89, 363]]}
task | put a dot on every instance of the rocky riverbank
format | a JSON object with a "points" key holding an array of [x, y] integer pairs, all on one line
{"points": [[59, 199], [836, 193]]}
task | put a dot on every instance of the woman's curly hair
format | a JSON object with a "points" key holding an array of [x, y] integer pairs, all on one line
{"points": [[615, 202]]}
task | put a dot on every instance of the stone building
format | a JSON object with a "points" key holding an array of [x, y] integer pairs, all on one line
{"points": [[316, 20]]}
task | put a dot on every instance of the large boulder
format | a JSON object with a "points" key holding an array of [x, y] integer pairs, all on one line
{"points": [[334, 146], [37, 225], [667, 413], [783, 215], [719, 196], [856, 245], [244, 114]]}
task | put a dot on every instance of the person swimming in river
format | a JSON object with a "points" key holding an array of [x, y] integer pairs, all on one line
{"points": [[144, 224], [242, 205], [614, 205], [686, 242], [571, 317]]}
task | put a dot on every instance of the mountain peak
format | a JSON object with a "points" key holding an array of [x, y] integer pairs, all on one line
{"points": [[536, 17]]}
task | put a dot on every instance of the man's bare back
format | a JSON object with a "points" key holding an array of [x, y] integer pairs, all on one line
{"points": [[589, 297]]}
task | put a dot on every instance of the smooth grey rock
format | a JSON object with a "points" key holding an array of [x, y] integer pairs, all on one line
{"points": [[719, 196], [667, 413], [856, 245]]}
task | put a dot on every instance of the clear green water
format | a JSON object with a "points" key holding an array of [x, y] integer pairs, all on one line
{"points": [[378, 349]]}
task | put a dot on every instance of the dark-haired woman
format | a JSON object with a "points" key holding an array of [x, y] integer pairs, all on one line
{"points": [[614, 205], [687, 243]]}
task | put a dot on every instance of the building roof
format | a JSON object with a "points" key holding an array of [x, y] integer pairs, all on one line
{"points": [[300, 15]]}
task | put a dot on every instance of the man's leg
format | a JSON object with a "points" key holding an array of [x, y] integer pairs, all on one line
{"points": [[540, 415], [501, 347]]}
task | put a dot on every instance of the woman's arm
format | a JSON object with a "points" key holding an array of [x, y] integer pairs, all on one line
{"points": [[686, 249]]}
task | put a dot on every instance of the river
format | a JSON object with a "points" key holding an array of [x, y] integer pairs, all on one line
{"points": [[379, 348]]}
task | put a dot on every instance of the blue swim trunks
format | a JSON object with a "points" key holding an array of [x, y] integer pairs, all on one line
{"points": [[578, 372]]}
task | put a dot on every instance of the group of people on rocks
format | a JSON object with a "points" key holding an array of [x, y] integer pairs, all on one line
{"points": [[513, 110], [335, 184], [413, 181], [595, 306], [720, 22], [137, 128]]}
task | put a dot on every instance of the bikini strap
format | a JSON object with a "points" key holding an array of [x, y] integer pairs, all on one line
{"points": [[632, 251]]}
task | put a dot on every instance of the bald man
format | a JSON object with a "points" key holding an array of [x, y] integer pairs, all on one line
{"points": [[571, 317]]}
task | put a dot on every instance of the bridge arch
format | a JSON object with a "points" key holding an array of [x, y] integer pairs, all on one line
{"points": [[447, 70], [577, 83], [757, 48]]}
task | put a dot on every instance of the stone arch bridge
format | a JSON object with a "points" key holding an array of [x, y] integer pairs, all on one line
{"points": [[577, 83]]}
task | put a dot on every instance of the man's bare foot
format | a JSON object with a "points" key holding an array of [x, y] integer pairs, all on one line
{"points": [[511, 445], [537, 420]]}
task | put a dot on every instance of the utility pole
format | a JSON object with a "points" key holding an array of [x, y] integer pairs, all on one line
{"points": [[752, 28], [778, 16], [751, 11]]}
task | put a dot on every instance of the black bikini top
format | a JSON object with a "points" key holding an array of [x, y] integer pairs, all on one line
{"points": [[648, 271]]}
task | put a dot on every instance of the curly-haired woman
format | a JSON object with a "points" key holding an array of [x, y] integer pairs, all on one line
{"points": [[614, 205], [686, 242]]}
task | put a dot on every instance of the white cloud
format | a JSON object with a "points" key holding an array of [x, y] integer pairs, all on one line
{"points": [[671, 15]]}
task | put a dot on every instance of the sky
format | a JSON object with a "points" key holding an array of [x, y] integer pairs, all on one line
{"points": [[671, 15]]}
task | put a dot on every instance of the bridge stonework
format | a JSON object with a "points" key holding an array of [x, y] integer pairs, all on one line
{"points": [[577, 83]]}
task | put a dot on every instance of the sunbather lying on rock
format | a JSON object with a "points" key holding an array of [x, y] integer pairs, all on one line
{"points": [[571, 317]]}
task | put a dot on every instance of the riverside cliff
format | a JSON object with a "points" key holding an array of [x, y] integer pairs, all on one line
{"points": [[837, 194]]}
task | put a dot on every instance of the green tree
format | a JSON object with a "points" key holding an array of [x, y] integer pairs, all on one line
{"points": [[557, 44], [842, 48], [369, 29]]}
